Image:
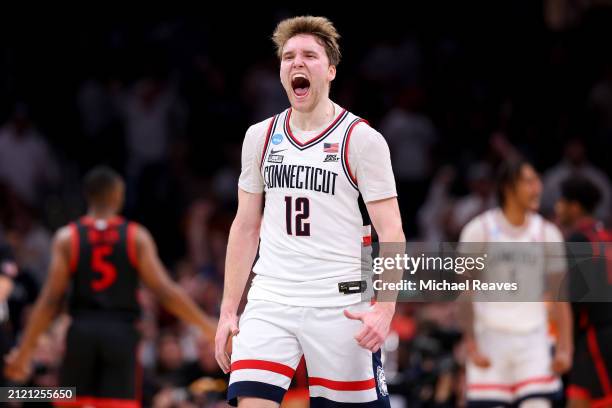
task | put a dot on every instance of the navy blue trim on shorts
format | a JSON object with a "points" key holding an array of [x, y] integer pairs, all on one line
{"points": [[382, 400], [551, 396], [488, 404], [320, 402], [254, 389]]}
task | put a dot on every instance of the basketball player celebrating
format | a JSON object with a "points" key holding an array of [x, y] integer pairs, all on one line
{"points": [[312, 161], [509, 359], [103, 257]]}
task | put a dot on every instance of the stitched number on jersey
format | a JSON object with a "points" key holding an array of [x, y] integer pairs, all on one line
{"points": [[302, 212], [106, 270]]}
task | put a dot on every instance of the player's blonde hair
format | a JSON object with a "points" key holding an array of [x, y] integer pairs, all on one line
{"points": [[320, 27]]}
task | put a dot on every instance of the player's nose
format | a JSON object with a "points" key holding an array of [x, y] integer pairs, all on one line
{"points": [[298, 61]]}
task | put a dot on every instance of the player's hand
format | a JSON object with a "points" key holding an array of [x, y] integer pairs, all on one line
{"points": [[226, 329], [17, 366], [376, 324], [477, 358], [562, 361]]}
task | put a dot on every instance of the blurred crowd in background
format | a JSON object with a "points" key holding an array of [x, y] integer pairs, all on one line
{"points": [[166, 101]]}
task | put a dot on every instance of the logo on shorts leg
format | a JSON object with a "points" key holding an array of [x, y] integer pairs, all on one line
{"points": [[382, 382]]}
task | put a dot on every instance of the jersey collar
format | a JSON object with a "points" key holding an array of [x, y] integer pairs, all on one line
{"points": [[315, 140]]}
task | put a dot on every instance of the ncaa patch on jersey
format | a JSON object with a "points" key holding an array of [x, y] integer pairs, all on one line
{"points": [[331, 158], [277, 138]]}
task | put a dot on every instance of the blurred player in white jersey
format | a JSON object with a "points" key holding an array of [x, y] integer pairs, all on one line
{"points": [[509, 351], [308, 165]]}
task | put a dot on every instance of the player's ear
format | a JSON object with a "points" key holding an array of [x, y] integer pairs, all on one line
{"points": [[331, 73]]}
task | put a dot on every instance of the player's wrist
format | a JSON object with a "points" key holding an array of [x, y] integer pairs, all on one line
{"points": [[228, 312], [470, 344], [386, 307]]}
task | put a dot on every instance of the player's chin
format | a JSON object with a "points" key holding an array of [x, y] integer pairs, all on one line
{"points": [[535, 205], [300, 101]]}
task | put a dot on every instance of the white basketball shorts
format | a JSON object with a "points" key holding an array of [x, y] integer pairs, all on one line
{"points": [[272, 339], [520, 369]]}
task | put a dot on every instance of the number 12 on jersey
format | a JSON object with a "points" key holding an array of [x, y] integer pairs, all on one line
{"points": [[302, 212]]}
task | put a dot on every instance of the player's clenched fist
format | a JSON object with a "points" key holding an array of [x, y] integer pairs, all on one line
{"points": [[17, 366], [474, 354], [562, 361], [226, 329]]}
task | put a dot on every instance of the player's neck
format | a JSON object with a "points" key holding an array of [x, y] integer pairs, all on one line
{"points": [[514, 214], [101, 214], [585, 219], [320, 116]]}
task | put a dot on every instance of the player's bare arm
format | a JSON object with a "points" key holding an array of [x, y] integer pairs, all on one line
{"points": [[471, 241], [466, 316], [562, 359], [241, 250], [466, 320], [8, 271], [6, 286], [46, 307], [386, 218], [561, 313], [171, 296]]}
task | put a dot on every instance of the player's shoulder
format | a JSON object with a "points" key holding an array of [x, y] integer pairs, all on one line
{"points": [[475, 222], [360, 124], [261, 126], [481, 219], [259, 131], [66, 235], [137, 229], [475, 229], [552, 233], [363, 133]]}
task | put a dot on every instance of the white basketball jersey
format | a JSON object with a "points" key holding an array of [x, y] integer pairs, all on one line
{"points": [[311, 235], [521, 263]]}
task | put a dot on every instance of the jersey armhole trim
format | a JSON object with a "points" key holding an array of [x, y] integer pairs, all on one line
{"points": [[271, 127], [131, 244], [74, 248], [345, 149]]}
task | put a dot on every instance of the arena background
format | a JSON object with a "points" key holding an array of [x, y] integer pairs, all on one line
{"points": [[166, 100]]}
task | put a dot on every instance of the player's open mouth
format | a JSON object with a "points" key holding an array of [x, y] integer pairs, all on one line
{"points": [[300, 85]]}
